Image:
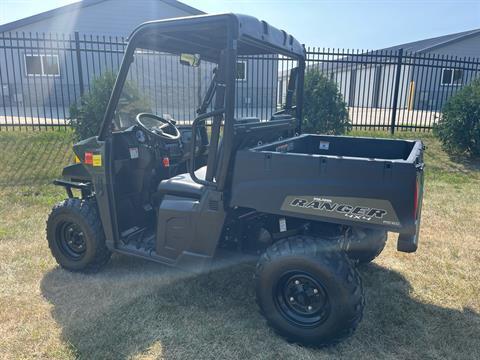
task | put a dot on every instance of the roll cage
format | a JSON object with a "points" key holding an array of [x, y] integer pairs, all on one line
{"points": [[219, 39]]}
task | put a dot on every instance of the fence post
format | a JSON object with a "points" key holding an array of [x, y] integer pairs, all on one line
{"points": [[79, 63], [396, 89]]}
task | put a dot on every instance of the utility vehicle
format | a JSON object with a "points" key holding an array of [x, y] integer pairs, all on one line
{"points": [[312, 206]]}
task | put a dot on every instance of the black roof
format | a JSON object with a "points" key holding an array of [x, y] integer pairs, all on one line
{"points": [[207, 35], [78, 5]]}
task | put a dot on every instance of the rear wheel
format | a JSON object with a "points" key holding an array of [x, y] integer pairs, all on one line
{"points": [[75, 236], [309, 291]]}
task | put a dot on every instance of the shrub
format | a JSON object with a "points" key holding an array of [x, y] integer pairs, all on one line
{"points": [[87, 116], [459, 125], [324, 109]]}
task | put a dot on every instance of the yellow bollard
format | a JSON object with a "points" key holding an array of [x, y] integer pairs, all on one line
{"points": [[412, 94]]}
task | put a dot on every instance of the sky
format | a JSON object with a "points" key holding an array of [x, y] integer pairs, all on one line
{"points": [[360, 24]]}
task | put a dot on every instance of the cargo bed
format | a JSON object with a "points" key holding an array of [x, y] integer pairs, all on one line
{"points": [[370, 182]]}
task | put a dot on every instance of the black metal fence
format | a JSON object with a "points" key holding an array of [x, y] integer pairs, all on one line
{"points": [[394, 89], [41, 76]]}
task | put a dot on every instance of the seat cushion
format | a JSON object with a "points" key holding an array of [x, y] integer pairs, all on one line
{"points": [[183, 184]]}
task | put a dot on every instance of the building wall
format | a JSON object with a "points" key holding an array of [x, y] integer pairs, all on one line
{"points": [[170, 91], [372, 86], [51, 37], [421, 86], [430, 93], [172, 88]]}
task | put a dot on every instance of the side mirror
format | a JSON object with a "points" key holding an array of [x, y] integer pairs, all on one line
{"points": [[190, 60]]}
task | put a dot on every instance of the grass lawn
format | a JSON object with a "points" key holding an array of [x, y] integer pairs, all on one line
{"points": [[419, 306]]}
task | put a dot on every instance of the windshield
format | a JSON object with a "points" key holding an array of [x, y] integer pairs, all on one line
{"points": [[158, 83]]}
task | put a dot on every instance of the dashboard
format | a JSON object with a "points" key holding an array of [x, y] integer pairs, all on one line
{"points": [[134, 143]]}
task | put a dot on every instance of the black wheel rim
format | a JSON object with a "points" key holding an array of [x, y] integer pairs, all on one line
{"points": [[71, 240], [302, 299]]}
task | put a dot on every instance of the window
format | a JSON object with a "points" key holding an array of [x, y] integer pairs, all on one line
{"points": [[42, 65], [33, 65], [241, 70], [452, 76]]}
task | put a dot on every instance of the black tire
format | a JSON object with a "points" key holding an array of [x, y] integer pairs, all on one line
{"points": [[75, 236], [364, 245], [311, 263]]}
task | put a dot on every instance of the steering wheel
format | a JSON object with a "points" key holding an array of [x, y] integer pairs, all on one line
{"points": [[158, 126]]}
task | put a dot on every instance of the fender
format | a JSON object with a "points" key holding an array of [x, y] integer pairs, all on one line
{"points": [[76, 172]]}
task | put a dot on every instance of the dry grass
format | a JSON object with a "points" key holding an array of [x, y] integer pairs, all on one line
{"points": [[424, 305]]}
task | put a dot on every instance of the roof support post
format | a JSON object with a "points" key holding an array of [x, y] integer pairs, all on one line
{"points": [[230, 66]]}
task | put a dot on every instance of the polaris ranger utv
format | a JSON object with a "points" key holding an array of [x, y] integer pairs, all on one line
{"points": [[312, 205]]}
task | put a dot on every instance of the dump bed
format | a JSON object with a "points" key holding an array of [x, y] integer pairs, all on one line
{"points": [[370, 182]]}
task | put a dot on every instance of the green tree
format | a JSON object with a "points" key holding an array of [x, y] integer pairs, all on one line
{"points": [[87, 116], [459, 125], [325, 110]]}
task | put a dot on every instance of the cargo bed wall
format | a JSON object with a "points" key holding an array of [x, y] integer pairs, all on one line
{"points": [[344, 146], [348, 191]]}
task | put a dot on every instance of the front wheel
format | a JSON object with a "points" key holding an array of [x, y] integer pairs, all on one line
{"points": [[309, 292], [75, 236]]}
